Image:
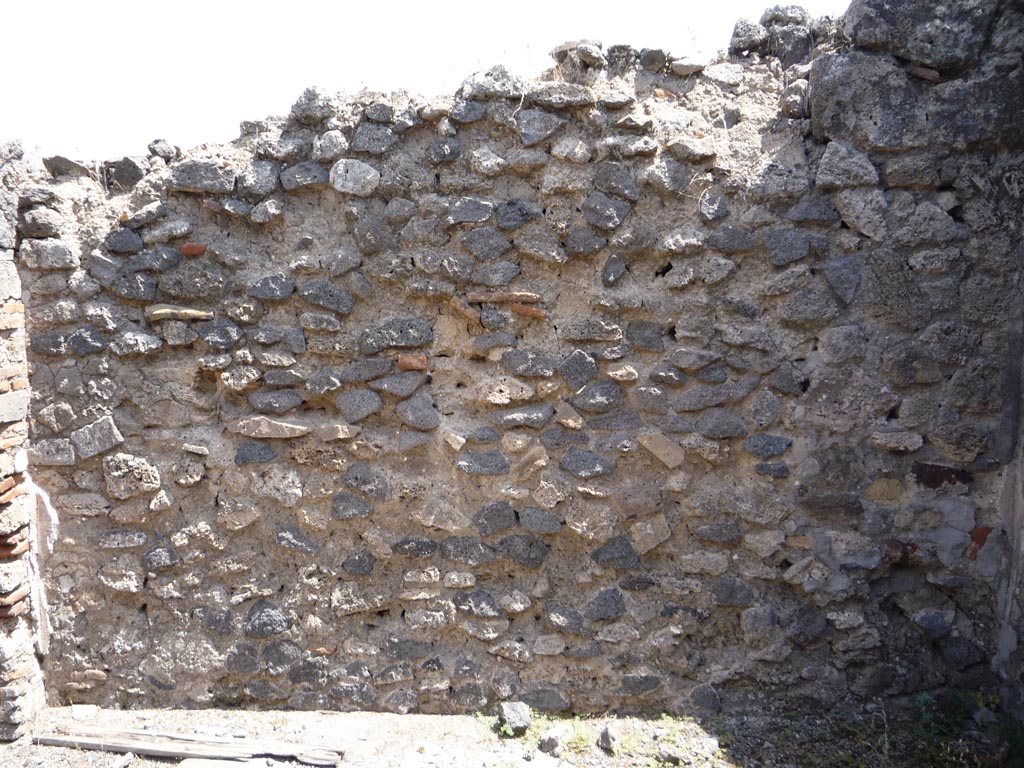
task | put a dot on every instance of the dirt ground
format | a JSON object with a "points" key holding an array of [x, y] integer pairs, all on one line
{"points": [[928, 732]]}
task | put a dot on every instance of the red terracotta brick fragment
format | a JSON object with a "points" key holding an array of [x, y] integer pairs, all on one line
{"points": [[8, 611], [522, 309], [13, 597], [15, 537], [192, 249], [13, 493], [8, 551], [978, 538], [411, 362], [468, 312]]}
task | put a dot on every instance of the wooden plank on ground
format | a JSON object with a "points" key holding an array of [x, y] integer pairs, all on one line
{"points": [[265, 747], [181, 745]]}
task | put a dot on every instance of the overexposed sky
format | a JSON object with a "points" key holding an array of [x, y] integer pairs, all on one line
{"points": [[99, 80]]}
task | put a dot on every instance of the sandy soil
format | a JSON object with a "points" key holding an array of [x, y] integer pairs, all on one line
{"points": [[868, 739]]}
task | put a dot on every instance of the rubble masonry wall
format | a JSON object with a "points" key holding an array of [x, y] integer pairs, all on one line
{"points": [[648, 385]]}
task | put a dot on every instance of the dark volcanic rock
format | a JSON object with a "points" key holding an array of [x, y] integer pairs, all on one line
{"points": [[585, 464], [914, 29], [467, 550], [326, 294], [194, 280], [123, 241], [276, 401], [401, 332], [617, 553], [607, 605], [305, 175], [415, 548], [348, 506], [254, 452], [273, 287], [483, 463], [265, 619], [523, 548], [495, 517]]}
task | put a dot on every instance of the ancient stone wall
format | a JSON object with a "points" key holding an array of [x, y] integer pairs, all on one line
{"points": [[646, 385], [21, 685]]}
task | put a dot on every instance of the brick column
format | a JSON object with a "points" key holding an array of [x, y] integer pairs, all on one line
{"points": [[21, 684]]}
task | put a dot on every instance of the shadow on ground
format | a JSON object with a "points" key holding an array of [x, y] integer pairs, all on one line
{"points": [[939, 731]]}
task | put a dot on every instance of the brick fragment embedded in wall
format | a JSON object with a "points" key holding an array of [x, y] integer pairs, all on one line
{"points": [[407, 362], [14, 491], [21, 683], [15, 596], [535, 393], [15, 546], [12, 316], [16, 608], [14, 543], [20, 677], [13, 435]]}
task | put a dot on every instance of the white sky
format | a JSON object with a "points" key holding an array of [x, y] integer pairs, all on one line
{"points": [[101, 79]]}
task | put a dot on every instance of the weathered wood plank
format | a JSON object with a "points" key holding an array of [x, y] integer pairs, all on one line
{"points": [[181, 745]]}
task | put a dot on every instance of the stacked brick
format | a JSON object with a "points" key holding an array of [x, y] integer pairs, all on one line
{"points": [[20, 676]]}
